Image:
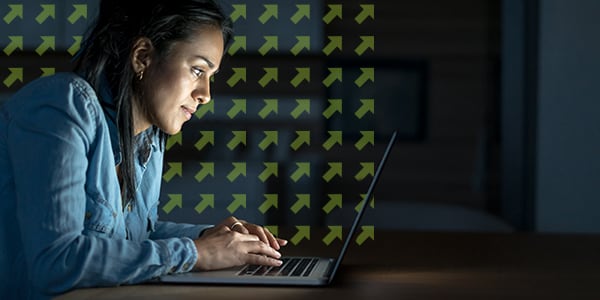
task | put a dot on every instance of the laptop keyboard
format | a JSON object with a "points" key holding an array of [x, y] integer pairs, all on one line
{"points": [[290, 267]]}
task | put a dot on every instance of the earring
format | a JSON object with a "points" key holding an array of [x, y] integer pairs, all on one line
{"points": [[141, 75]]}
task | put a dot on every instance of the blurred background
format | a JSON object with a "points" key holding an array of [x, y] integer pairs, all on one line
{"points": [[496, 104]]}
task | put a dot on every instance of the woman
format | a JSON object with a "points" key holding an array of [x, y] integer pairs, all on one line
{"points": [[81, 156]]}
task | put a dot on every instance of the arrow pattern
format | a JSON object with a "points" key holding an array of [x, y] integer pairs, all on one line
{"points": [[273, 139], [267, 139]]}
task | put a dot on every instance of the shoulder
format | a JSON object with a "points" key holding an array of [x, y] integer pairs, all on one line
{"points": [[65, 93]]}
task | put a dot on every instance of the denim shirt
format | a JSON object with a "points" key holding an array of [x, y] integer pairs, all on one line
{"points": [[63, 224]]}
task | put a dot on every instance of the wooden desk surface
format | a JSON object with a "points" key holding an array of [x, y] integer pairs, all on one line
{"points": [[412, 265]]}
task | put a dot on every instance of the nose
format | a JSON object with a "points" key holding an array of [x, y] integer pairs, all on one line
{"points": [[202, 92]]}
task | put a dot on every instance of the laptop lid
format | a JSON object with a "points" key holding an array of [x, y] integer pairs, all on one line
{"points": [[363, 207]]}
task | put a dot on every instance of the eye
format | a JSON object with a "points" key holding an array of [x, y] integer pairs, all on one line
{"points": [[197, 71]]}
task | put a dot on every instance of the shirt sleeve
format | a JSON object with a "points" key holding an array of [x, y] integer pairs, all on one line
{"points": [[166, 229], [48, 145]]}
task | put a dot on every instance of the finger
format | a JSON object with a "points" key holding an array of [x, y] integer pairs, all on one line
{"points": [[281, 242], [239, 227], [255, 259], [271, 238], [245, 237], [229, 221], [258, 247], [261, 233]]}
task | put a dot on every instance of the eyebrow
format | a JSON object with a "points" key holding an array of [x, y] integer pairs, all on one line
{"points": [[210, 63]]}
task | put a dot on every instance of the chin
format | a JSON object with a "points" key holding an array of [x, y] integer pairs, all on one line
{"points": [[171, 130]]}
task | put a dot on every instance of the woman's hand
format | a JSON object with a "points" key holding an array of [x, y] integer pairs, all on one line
{"points": [[261, 232], [234, 243]]}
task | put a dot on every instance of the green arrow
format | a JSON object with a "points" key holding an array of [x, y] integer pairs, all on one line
{"points": [[204, 109], [239, 137], [207, 137], [16, 41], [174, 139], [208, 168], [302, 170], [335, 10], [302, 12], [238, 74], [174, 200], [271, 169], [79, 12], [271, 42], [367, 233], [239, 168], [207, 200], [303, 74], [48, 42], [360, 203], [368, 168], [75, 46], [368, 105], [239, 11], [271, 200], [270, 74], [15, 74], [303, 201], [303, 106], [335, 105], [271, 11], [303, 233], [368, 137], [368, 42], [239, 42], [271, 137], [271, 105], [335, 232], [48, 11], [303, 43], [16, 10], [368, 10], [367, 74], [239, 200], [335, 42], [274, 229], [334, 200], [174, 169], [334, 74], [239, 105], [303, 138], [335, 137], [335, 168], [47, 71]]}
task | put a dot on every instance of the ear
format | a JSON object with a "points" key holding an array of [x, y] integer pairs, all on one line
{"points": [[141, 54]]}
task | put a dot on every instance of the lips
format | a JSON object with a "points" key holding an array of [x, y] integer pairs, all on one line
{"points": [[189, 112]]}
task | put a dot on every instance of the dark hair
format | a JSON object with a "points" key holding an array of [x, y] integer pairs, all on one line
{"points": [[105, 54]]}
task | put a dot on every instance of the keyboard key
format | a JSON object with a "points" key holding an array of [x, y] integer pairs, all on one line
{"points": [[311, 266], [301, 266]]}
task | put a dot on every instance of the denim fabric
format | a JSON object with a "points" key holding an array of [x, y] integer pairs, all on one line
{"points": [[62, 222]]}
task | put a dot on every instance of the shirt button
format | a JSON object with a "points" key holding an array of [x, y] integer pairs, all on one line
{"points": [[186, 266], [173, 269]]}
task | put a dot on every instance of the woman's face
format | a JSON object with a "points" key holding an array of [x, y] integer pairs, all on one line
{"points": [[174, 86]]}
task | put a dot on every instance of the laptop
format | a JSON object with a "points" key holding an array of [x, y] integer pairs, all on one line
{"points": [[304, 271]]}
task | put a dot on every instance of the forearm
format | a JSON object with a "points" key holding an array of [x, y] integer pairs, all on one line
{"points": [[75, 261]]}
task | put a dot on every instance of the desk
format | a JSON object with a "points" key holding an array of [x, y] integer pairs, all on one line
{"points": [[417, 265]]}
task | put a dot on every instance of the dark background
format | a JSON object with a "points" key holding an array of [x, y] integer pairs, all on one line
{"points": [[496, 103]]}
